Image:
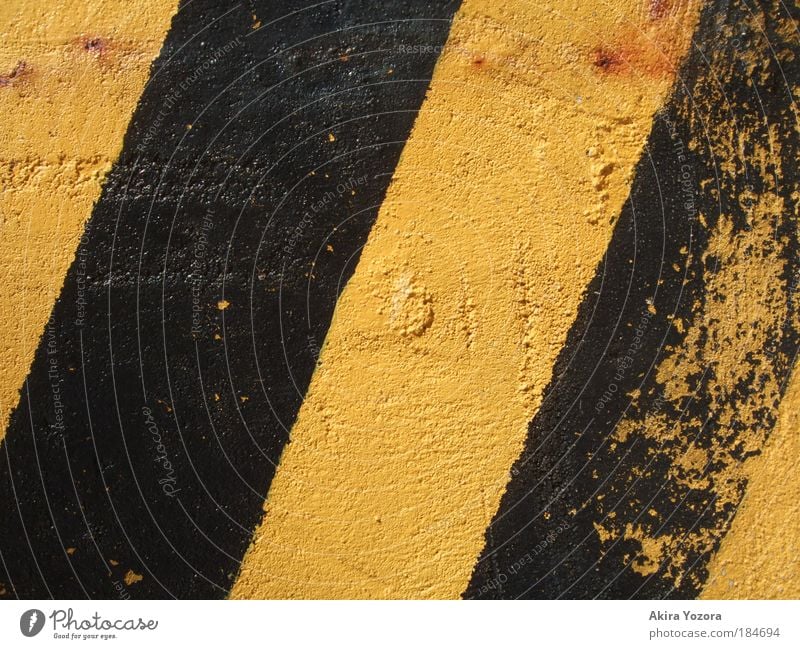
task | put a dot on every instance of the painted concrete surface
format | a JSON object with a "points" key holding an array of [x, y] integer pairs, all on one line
{"points": [[71, 74], [760, 556], [260, 152], [444, 339], [406, 299], [674, 370]]}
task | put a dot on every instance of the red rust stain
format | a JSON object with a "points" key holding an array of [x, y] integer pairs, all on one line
{"points": [[639, 53], [489, 61], [653, 48], [635, 59], [107, 53], [659, 9], [94, 45], [607, 60], [19, 71]]}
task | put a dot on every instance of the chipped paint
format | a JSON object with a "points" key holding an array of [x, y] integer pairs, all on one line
{"points": [[566, 342], [674, 372], [759, 558], [721, 386]]}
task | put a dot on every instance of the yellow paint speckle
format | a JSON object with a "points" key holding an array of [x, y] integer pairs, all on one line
{"points": [[132, 577]]}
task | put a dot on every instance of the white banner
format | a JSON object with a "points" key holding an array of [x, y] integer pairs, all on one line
{"points": [[379, 625]]}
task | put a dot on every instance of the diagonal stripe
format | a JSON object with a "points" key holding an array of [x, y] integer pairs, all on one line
{"points": [[187, 331], [70, 75], [672, 375], [501, 207]]}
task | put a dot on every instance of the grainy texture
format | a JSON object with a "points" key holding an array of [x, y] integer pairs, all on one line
{"points": [[759, 558], [535, 346], [673, 372], [71, 73], [191, 319], [499, 212]]}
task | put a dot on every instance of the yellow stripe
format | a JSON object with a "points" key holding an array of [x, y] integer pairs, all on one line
{"points": [[501, 207], [70, 76], [760, 556]]}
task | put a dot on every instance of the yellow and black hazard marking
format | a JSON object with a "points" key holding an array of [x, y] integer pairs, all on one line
{"points": [[71, 74], [171, 370], [431, 299], [463, 297], [674, 369]]}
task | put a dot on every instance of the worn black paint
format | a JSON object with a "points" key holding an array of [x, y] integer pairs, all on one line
{"points": [[542, 542], [120, 345]]}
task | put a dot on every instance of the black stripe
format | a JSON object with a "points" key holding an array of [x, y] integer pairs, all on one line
{"points": [[573, 473], [256, 204]]}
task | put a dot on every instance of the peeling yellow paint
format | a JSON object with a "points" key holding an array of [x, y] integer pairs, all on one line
{"points": [[70, 75], [760, 556], [653, 549], [729, 343], [501, 207]]}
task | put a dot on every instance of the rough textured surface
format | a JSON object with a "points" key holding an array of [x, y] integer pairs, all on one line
{"points": [[760, 556], [673, 372], [445, 337], [71, 73], [562, 352], [192, 317]]}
